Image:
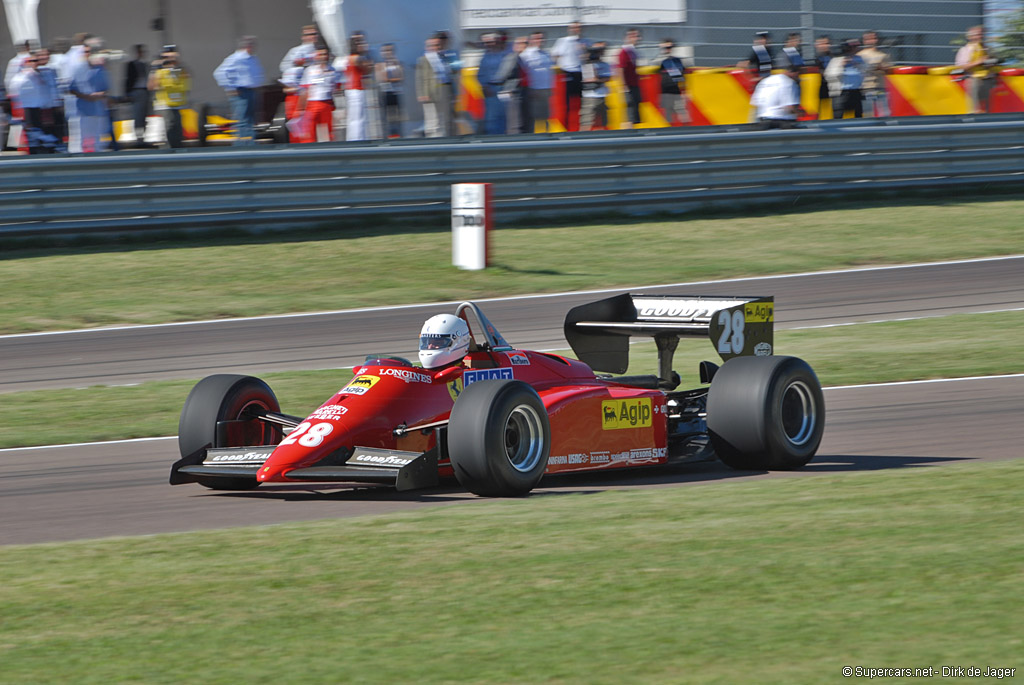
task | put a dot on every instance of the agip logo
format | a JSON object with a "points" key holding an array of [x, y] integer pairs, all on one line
{"points": [[360, 384], [631, 413]]}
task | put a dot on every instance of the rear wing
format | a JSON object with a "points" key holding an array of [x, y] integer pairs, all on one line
{"points": [[599, 332]]}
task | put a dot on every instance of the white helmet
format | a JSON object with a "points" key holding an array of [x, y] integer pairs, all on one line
{"points": [[443, 340]]}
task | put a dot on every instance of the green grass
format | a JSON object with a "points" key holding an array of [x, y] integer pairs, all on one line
{"points": [[961, 345], [774, 581], [159, 282]]}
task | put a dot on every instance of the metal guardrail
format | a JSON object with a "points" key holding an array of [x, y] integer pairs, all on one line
{"points": [[637, 171]]}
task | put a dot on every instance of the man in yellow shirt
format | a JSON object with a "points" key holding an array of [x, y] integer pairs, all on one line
{"points": [[170, 82], [974, 59]]}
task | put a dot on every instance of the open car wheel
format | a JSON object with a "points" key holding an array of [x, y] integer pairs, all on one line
{"points": [[227, 397], [765, 413], [499, 438]]}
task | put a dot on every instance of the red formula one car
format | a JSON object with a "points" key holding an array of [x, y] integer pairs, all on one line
{"points": [[498, 419]]}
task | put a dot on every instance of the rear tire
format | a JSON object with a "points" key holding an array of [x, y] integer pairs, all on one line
{"points": [[499, 438], [766, 413], [226, 397]]}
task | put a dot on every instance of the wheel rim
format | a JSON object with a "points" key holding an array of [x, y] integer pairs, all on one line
{"points": [[799, 413], [524, 439], [256, 432]]}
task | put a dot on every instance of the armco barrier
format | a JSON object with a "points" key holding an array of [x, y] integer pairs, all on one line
{"points": [[543, 175]]}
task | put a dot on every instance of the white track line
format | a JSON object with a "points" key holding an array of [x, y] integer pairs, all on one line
{"points": [[902, 318], [514, 298], [833, 387]]}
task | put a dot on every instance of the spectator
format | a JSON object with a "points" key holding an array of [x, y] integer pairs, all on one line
{"points": [[358, 68], [170, 83], [304, 50], [35, 97], [316, 99], [389, 82], [822, 56], [49, 74], [488, 76], [568, 53], [541, 78], [241, 75], [291, 85], [23, 49], [434, 90], [90, 85], [777, 99], [876, 65], [974, 59], [630, 78], [759, 61], [845, 76], [790, 54], [596, 73], [136, 91], [673, 84], [514, 77]]}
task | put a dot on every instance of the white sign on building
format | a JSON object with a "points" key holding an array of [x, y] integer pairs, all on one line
{"points": [[510, 14]]}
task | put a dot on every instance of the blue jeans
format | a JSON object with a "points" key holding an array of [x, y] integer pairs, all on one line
{"points": [[243, 110], [494, 115]]}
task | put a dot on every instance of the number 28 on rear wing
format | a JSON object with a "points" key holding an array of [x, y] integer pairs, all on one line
{"points": [[599, 332]]}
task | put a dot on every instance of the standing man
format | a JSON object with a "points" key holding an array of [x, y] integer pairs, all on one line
{"points": [[170, 83], [316, 97], [241, 75], [845, 76], [136, 90], [876, 65], [540, 80], [777, 99], [36, 99], [90, 85], [759, 61], [514, 92], [488, 76], [790, 54], [568, 53], [822, 56], [389, 77], [434, 90], [303, 50], [630, 78], [673, 84], [359, 66], [14, 65], [596, 75], [973, 58]]}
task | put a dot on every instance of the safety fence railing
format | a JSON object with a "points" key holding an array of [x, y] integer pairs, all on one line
{"points": [[621, 172]]}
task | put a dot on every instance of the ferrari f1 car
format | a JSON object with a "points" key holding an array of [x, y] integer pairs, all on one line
{"points": [[500, 418]]}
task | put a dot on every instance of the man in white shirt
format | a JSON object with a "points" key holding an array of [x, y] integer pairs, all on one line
{"points": [[777, 99], [14, 65], [304, 50], [541, 79], [568, 53], [316, 98]]}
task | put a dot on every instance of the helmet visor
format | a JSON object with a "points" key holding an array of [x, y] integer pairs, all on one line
{"points": [[436, 341]]}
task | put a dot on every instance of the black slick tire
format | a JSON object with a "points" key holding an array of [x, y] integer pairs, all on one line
{"points": [[226, 397], [499, 438], [765, 413]]}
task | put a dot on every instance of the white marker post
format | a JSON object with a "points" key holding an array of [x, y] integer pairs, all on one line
{"points": [[471, 224]]}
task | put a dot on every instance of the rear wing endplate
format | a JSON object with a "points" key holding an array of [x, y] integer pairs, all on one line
{"points": [[599, 332]]}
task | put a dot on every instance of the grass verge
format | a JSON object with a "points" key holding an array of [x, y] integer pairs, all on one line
{"points": [[777, 581], [961, 345], [161, 282]]}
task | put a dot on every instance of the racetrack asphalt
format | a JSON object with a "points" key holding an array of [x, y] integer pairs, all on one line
{"points": [[343, 339], [114, 489]]}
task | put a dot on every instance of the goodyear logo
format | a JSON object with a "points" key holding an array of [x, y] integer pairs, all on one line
{"points": [[759, 312], [360, 384], [456, 387], [631, 413]]}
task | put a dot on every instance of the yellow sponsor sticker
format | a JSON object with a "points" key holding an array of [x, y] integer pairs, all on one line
{"points": [[759, 312], [629, 413], [360, 384]]}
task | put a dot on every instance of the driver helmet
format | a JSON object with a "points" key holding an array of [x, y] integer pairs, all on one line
{"points": [[443, 340]]}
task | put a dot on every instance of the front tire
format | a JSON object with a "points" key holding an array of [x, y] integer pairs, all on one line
{"points": [[499, 438], [227, 397], [766, 413]]}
